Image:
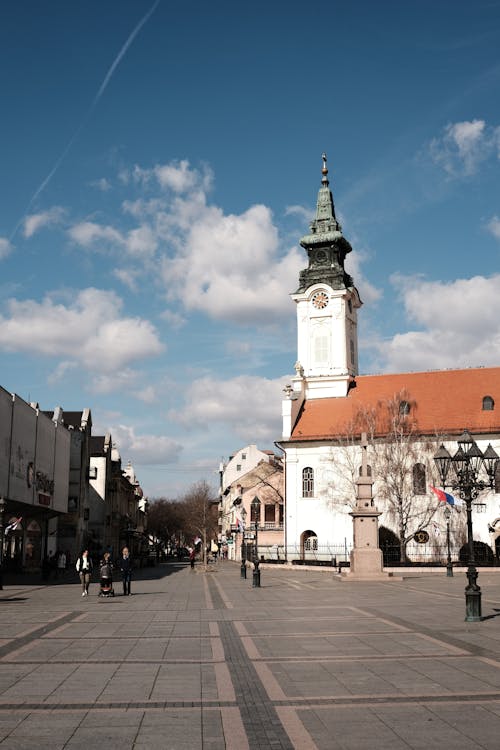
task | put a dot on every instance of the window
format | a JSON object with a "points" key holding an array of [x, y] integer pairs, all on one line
{"points": [[307, 482], [93, 472], [280, 508], [269, 513], [311, 544], [352, 351], [404, 408], [488, 403], [419, 480], [321, 349], [238, 467], [368, 470]]}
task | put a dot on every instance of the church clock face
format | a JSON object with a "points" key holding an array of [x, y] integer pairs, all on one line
{"points": [[320, 300]]}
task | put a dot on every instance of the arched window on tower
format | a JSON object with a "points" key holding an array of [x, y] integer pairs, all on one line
{"points": [[308, 482], [419, 480]]}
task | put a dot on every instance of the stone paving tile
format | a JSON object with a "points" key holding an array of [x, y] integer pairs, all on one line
{"points": [[413, 726]]}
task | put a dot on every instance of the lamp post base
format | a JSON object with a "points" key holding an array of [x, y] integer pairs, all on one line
{"points": [[256, 576], [449, 570], [473, 605]]}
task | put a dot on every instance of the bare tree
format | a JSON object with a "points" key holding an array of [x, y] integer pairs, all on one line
{"points": [[400, 460], [403, 464], [166, 520], [201, 507]]}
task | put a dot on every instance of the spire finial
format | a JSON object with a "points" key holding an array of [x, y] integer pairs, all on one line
{"points": [[324, 171]]}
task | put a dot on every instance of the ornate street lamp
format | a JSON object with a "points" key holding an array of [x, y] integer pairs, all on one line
{"points": [[449, 566], [464, 470], [255, 505], [243, 568]]}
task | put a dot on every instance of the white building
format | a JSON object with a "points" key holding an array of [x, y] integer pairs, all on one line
{"points": [[327, 402]]}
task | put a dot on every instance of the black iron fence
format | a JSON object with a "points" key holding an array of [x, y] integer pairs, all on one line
{"points": [[338, 556]]}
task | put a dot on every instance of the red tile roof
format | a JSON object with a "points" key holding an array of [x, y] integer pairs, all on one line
{"points": [[447, 401]]}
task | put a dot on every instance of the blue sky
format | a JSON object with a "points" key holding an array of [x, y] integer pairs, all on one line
{"points": [[160, 161]]}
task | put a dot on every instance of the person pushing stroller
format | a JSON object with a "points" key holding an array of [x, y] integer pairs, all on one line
{"points": [[106, 576]]}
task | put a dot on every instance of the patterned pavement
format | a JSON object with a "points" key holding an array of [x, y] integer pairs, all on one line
{"points": [[199, 659]]}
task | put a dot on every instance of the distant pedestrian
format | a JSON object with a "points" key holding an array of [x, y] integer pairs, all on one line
{"points": [[84, 568], [126, 570], [192, 555], [61, 563]]}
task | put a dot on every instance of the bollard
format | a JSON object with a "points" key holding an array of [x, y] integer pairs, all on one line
{"points": [[256, 575]]}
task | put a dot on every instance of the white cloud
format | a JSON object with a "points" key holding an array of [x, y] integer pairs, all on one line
{"points": [[87, 329], [87, 233], [60, 372], [250, 405], [5, 247], [463, 146], [458, 325], [102, 184], [141, 241], [34, 222], [230, 266], [148, 395], [305, 213], [493, 226], [143, 448], [174, 319]]}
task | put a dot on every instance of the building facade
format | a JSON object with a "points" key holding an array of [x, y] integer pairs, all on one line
{"points": [[407, 416], [34, 480]]}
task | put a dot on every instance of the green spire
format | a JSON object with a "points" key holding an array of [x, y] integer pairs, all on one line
{"points": [[325, 245]]}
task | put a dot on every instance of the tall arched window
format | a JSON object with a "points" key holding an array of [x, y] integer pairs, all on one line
{"points": [[419, 480], [308, 482]]}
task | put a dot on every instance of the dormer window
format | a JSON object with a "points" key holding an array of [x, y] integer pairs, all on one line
{"points": [[404, 408], [488, 403]]}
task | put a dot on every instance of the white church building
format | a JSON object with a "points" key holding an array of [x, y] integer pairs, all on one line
{"points": [[407, 416]]}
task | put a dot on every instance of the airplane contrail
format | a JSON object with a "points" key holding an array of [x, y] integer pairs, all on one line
{"points": [[89, 112]]}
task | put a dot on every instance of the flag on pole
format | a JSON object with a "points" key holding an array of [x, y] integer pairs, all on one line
{"points": [[12, 526], [445, 497]]}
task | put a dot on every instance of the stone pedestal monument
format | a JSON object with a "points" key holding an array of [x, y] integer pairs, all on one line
{"points": [[366, 556]]}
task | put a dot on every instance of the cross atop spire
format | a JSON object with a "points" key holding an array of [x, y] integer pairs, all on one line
{"points": [[324, 171]]}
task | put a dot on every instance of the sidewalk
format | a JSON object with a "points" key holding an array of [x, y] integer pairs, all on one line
{"points": [[203, 660]]}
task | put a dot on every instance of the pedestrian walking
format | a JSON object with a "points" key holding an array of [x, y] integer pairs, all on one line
{"points": [[126, 571], [61, 563], [192, 555], [84, 568]]}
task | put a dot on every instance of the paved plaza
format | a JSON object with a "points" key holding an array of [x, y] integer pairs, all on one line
{"points": [[203, 660]]}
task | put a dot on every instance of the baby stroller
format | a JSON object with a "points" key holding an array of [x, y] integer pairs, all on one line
{"points": [[106, 579]]}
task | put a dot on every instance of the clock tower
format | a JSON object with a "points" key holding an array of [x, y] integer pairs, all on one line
{"points": [[327, 303]]}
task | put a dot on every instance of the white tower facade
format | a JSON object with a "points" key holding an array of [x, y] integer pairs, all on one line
{"points": [[327, 304]]}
